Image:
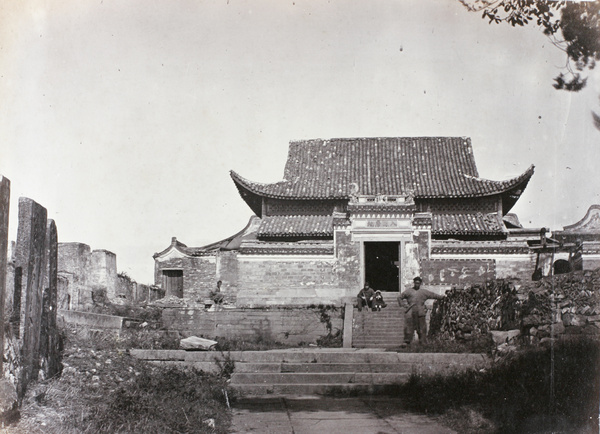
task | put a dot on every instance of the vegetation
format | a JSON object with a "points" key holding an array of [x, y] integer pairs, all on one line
{"points": [[573, 27], [537, 390], [104, 389]]}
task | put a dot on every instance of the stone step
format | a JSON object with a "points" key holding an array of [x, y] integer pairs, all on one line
{"points": [[318, 378], [308, 355], [322, 367], [307, 389]]}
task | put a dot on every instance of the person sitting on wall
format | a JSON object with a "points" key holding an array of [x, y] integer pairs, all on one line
{"points": [[365, 297], [378, 301], [217, 296], [414, 318]]}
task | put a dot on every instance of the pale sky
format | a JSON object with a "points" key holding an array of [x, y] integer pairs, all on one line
{"points": [[123, 118]]}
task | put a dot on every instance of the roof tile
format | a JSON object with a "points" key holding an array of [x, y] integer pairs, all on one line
{"points": [[431, 167], [296, 226]]}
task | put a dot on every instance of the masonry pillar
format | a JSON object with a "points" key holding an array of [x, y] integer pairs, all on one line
{"points": [[30, 258], [49, 344], [4, 208]]}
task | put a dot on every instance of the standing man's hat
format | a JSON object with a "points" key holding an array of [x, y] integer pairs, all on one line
{"points": [[417, 279]]}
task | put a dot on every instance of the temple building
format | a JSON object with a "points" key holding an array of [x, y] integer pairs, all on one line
{"points": [[348, 211]]}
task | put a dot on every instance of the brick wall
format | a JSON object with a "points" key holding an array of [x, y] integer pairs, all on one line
{"points": [[285, 325], [348, 263], [199, 275], [228, 273], [517, 267], [457, 272], [287, 280]]}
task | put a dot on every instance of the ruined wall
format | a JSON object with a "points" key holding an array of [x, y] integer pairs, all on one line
{"points": [[82, 271], [286, 325], [73, 263], [103, 272]]}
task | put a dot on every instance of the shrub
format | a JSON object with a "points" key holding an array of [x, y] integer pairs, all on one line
{"points": [[193, 398], [558, 387]]}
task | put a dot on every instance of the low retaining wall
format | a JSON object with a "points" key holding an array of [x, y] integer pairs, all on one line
{"points": [[279, 324], [91, 320]]}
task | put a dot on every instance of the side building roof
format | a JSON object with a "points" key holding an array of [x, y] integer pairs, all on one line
{"points": [[426, 167]]}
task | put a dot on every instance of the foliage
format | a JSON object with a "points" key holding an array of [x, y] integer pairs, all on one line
{"points": [[225, 364], [108, 390], [258, 343], [576, 31], [193, 397], [556, 389]]}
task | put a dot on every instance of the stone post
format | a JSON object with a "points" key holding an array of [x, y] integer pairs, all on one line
{"points": [[4, 208], [49, 339], [30, 258]]}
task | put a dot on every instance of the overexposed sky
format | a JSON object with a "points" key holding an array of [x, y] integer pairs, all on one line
{"points": [[124, 117]]}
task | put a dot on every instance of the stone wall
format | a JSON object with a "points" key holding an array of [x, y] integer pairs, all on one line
{"points": [[73, 263], [103, 272], [84, 273], [285, 325]]}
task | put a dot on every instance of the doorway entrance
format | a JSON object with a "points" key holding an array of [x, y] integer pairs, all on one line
{"points": [[381, 265]]}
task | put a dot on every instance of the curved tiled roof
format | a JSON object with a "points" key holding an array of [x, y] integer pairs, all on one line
{"points": [[296, 226], [467, 224], [428, 167]]}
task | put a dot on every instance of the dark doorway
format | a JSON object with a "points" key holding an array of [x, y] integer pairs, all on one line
{"points": [[381, 269]]}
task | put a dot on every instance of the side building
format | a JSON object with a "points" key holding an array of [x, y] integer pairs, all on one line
{"points": [[348, 211]]}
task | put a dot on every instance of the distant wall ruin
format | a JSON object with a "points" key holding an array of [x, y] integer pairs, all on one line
{"points": [[88, 278]]}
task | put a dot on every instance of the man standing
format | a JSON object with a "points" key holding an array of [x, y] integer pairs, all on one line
{"points": [[414, 318]]}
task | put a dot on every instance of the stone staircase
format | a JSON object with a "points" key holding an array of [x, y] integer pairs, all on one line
{"points": [[316, 371], [379, 329]]}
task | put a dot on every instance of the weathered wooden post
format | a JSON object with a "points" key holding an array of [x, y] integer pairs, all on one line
{"points": [[30, 258], [4, 208]]}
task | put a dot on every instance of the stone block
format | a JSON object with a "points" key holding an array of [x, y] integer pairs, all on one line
{"points": [[571, 319], [557, 328], [503, 337], [9, 410]]}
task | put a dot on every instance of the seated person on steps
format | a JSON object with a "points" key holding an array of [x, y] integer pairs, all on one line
{"points": [[365, 297], [378, 301]]}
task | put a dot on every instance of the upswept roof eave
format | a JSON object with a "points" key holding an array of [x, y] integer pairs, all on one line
{"points": [[255, 188], [493, 188]]}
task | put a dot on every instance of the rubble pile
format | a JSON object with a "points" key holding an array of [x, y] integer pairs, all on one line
{"points": [[566, 303], [465, 313]]}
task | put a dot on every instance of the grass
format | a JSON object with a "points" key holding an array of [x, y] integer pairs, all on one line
{"points": [[104, 389], [537, 390]]}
